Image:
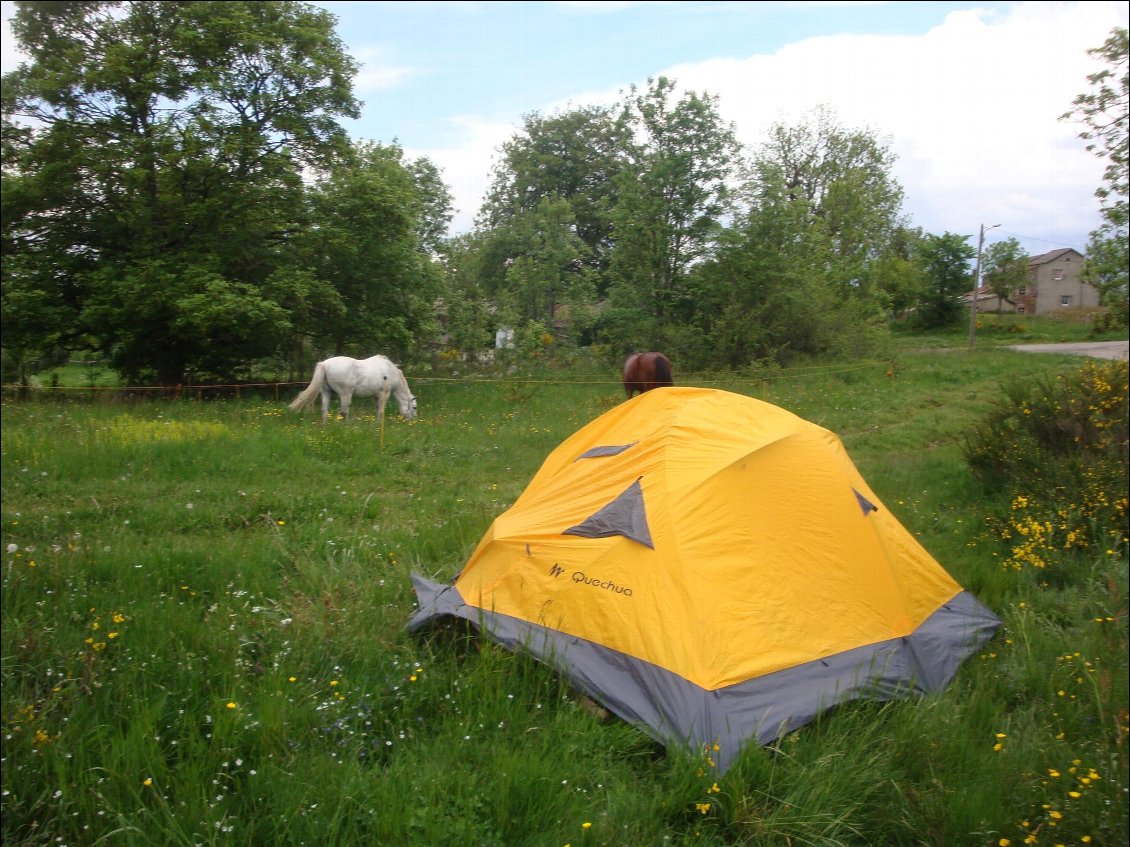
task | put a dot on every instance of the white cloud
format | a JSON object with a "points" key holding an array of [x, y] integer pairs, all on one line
{"points": [[971, 109], [10, 56], [377, 73], [466, 165]]}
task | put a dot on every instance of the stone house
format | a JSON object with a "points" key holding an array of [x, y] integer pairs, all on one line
{"points": [[1054, 283]]}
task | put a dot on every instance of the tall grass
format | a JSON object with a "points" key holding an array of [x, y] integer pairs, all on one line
{"points": [[203, 638]]}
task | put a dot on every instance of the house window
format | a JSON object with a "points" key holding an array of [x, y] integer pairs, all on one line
{"points": [[1065, 299], [1020, 309], [1021, 291], [1057, 273]]}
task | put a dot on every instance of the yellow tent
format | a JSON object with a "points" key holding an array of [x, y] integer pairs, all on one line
{"points": [[712, 568]]}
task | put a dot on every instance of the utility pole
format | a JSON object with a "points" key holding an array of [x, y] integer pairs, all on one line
{"points": [[976, 286]]}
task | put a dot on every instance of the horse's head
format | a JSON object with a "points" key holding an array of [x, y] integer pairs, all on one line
{"points": [[407, 407]]}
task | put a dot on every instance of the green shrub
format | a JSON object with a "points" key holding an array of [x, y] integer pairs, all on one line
{"points": [[1058, 446]]}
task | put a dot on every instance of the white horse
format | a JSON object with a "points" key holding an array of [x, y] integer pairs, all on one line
{"points": [[348, 378]]}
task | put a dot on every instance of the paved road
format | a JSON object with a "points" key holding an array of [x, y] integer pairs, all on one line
{"points": [[1095, 349]]}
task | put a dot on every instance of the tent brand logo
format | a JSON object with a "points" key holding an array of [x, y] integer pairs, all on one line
{"points": [[579, 577]]}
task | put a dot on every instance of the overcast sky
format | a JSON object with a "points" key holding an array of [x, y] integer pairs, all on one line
{"points": [[968, 96]]}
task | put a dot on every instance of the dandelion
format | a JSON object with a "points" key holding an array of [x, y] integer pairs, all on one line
{"points": [[282, 523], [148, 781], [292, 679], [586, 825], [232, 706]]}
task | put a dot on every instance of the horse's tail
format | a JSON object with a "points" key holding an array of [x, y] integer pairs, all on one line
{"points": [[663, 371], [310, 391]]}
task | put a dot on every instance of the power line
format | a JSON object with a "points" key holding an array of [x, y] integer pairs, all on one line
{"points": [[1044, 241]]}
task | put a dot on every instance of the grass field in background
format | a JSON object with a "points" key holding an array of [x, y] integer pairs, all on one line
{"points": [[203, 636], [991, 330]]}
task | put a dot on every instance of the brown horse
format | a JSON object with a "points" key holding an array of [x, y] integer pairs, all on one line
{"points": [[645, 371]]}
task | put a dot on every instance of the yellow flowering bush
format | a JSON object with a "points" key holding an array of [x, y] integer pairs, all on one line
{"points": [[1059, 445]]}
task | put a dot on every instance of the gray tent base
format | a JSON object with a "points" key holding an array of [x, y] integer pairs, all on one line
{"points": [[677, 712]]}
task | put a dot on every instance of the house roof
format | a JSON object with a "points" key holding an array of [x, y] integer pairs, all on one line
{"points": [[983, 293], [1052, 255]]}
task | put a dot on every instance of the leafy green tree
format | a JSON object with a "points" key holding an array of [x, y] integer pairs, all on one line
{"points": [[1105, 110], [844, 179], [572, 156], [818, 258], [765, 298], [1005, 265], [945, 259], [467, 315], [750, 293], [673, 194], [547, 271], [367, 247], [155, 151], [434, 210], [897, 275]]}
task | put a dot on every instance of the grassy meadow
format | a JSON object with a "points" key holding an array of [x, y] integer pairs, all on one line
{"points": [[203, 634]]}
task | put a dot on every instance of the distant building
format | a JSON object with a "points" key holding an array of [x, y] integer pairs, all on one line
{"points": [[1054, 284], [504, 338]]}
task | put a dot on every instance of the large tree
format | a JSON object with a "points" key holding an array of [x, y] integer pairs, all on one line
{"points": [[1005, 269], [370, 244], [541, 278], [573, 156], [1105, 110], [945, 259], [843, 179], [155, 153], [818, 257], [673, 195]]}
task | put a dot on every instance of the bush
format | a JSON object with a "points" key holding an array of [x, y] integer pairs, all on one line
{"points": [[1058, 446]]}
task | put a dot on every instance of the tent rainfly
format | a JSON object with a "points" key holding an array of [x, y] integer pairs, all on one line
{"points": [[714, 570]]}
